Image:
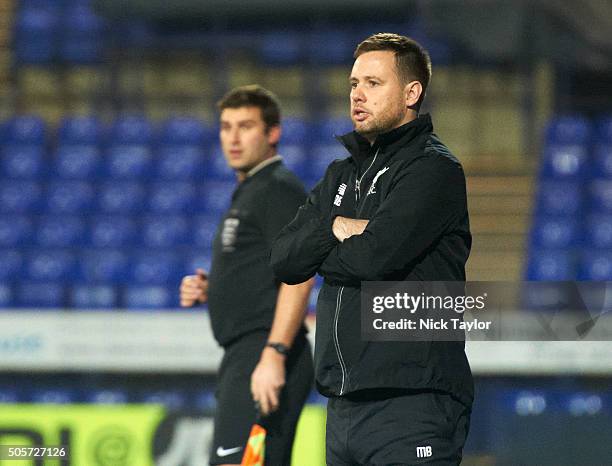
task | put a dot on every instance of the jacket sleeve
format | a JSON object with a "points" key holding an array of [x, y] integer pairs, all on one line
{"points": [[425, 200], [301, 246]]}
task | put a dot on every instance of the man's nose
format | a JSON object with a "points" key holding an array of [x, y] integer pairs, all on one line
{"points": [[357, 95]]}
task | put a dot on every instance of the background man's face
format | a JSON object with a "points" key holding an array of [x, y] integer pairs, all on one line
{"points": [[377, 95], [244, 138]]}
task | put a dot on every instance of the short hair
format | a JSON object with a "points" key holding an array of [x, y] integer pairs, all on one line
{"points": [[412, 60], [253, 96]]}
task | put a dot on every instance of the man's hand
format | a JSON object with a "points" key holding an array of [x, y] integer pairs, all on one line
{"points": [[267, 380], [344, 227], [194, 289]]}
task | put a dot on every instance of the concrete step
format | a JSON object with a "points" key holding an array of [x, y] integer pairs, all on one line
{"points": [[499, 242], [515, 223], [501, 204], [500, 185]]}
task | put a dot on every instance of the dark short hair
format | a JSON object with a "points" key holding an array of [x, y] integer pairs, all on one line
{"points": [[412, 60], [253, 96]]}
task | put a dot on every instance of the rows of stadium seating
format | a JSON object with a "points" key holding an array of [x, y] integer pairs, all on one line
{"points": [[571, 236], [71, 31], [96, 216], [66, 30]]}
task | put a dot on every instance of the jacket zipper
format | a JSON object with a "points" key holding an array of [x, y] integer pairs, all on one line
{"points": [[337, 341], [358, 180]]}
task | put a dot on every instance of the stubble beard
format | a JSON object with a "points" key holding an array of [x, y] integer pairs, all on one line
{"points": [[379, 125]]}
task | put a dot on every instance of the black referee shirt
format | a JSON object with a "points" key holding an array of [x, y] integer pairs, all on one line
{"points": [[242, 287]]}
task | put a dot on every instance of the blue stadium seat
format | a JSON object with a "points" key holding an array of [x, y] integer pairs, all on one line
{"points": [[328, 128], [80, 131], [216, 167], [9, 396], [172, 197], [204, 230], [296, 131], [155, 268], [322, 155], [129, 162], [604, 129], [601, 165], [281, 48], [49, 265], [11, 264], [559, 198], [104, 266], [172, 400], [567, 162], [166, 231], [206, 401], [555, 232], [23, 161], [6, 300], [112, 231], [60, 231], [69, 197], [20, 197], [216, 196], [331, 47], [150, 297], [36, 32], [77, 162], [551, 265], [15, 230], [294, 158], [196, 261], [93, 297], [131, 129], [121, 197], [598, 232], [40, 295], [568, 130], [600, 196], [25, 130], [180, 163], [107, 397], [595, 266], [181, 131], [54, 396], [83, 37]]}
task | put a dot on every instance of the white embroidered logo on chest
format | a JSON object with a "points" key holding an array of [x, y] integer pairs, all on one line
{"points": [[341, 191], [372, 189]]}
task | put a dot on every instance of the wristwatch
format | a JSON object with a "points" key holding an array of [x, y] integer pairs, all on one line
{"points": [[279, 347]]}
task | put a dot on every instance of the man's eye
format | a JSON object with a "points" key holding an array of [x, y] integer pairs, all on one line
{"points": [[373, 83], [353, 85]]}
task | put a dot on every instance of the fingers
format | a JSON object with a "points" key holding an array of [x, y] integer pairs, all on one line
{"points": [[193, 288], [267, 397], [268, 400]]}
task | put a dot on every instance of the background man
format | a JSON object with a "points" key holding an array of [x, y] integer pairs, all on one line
{"points": [[394, 210], [267, 357]]}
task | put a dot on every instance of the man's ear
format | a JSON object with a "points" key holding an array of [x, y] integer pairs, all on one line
{"points": [[274, 134], [412, 92]]}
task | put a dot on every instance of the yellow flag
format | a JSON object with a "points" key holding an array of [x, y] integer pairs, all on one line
{"points": [[254, 453]]}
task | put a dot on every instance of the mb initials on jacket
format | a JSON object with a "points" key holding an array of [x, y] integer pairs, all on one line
{"points": [[341, 191], [424, 452]]}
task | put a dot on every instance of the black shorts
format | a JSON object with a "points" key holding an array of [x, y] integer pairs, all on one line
{"points": [[395, 428], [236, 412]]}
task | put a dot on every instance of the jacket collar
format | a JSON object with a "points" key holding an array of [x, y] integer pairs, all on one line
{"points": [[359, 147]]}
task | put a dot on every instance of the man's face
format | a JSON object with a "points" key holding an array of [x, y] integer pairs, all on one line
{"points": [[244, 138], [378, 101]]}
